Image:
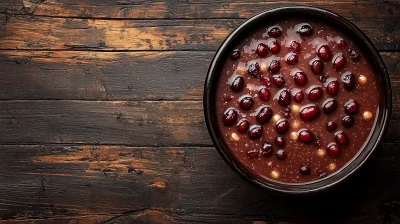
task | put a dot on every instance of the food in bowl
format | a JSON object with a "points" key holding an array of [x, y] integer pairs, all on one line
{"points": [[296, 100]]}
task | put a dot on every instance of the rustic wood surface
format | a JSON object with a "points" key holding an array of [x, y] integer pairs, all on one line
{"points": [[101, 117]]}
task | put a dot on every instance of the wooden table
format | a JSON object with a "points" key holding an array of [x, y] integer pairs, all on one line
{"points": [[101, 117]]}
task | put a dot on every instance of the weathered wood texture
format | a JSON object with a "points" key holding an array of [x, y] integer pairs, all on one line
{"points": [[101, 117], [71, 75], [177, 185], [28, 32]]}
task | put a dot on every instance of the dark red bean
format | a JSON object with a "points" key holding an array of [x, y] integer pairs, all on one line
{"points": [[304, 29], [294, 47], [348, 121], [333, 87], [246, 102], [274, 31], [282, 126], [338, 61], [278, 80], [230, 117], [264, 114], [262, 50], [300, 78], [324, 52], [314, 92], [274, 46], [354, 54], [298, 96], [316, 66], [266, 81], [266, 149], [281, 154], [309, 112], [341, 43], [253, 153], [348, 80], [286, 112], [284, 97], [331, 126], [254, 69], [333, 150], [243, 125], [341, 138], [274, 66], [351, 107], [255, 131], [235, 54], [280, 141], [322, 78], [329, 105], [305, 170], [305, 136], [292, 59], [264, 93], [237, 84]]}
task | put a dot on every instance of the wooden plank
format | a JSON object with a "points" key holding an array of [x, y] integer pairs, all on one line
{"points": [[46, 33], [71, 75], [173, 9], [103, 75], [138, 123], [89, 219], [177, 185]]}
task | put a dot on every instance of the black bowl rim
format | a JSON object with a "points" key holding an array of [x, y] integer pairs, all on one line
{"points": [[375, 57]]}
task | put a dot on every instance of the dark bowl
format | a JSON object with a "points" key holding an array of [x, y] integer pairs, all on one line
{"points": [[379, 128]]}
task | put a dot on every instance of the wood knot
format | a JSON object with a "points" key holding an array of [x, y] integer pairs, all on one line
{"points": [[158, 183]]}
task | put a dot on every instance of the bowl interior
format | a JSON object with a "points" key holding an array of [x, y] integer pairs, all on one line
{"points": [[368, 51]]}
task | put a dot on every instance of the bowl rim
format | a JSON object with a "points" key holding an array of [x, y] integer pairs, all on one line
{"points": [[325, 183]]}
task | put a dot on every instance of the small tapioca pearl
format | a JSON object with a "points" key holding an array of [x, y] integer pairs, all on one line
{"points": [[362, 80], [276, 117], [235, 137], [367, 116], [295, 108], [294, 136], [321, 152], [295, 124], [241, 70], [264, 67], [332, 167], [275, 174]]}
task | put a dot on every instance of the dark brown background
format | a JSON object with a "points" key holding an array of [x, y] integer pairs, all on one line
{"points": [[101, 117]]}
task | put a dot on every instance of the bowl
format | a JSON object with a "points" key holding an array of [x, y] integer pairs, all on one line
{"points": [[377, 132]]}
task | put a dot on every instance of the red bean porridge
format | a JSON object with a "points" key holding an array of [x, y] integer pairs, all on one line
{"points": [[296, 100]]}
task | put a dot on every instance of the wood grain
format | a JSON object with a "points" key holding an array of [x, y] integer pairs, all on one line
{"points": [[138, 123], [44, 33], [103, 75], [71, 75], [175, 185]]}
